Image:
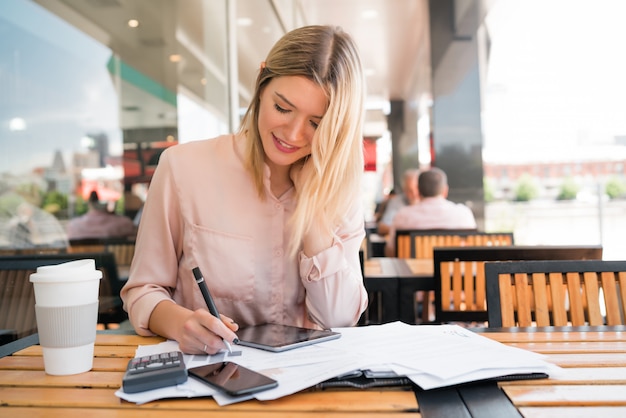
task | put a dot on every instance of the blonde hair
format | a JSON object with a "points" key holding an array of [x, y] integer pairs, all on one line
{"points": [[329, 57]]}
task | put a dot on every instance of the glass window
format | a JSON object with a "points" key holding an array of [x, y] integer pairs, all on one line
{"points": [[94, 91]]}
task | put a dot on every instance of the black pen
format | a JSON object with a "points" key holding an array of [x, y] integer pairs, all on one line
{"points": [[209, 300]]}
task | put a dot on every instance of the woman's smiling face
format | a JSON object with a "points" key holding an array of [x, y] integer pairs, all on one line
{"points": [[291, 108]]}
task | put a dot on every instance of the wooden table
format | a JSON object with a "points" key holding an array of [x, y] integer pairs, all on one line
{"points": [[594, 384], [26, 391], [393, 281]]}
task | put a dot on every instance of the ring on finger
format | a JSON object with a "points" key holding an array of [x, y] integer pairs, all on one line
{"points": [[204, 349]]}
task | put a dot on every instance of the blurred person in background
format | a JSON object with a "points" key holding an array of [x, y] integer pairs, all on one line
{"points": [[98, 222], [408, 196], [432, 210]]}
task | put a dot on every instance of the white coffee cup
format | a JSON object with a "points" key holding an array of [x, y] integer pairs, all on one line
{"points": [[66, 305]]}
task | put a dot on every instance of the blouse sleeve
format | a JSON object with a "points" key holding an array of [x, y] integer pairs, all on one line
{"points": [[335, 294], [154, 269]]}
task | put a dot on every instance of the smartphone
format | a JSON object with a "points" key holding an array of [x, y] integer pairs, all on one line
{"points": [[232, 378]]}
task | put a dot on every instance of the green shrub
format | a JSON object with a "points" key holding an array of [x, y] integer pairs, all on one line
{"points": [[615, 187], [569, 190], [80, 206], [54, 201], [526, 188]]}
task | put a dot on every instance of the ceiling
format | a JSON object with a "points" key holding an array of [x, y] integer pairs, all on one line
{"points": [[392, 36], [394, 45]]}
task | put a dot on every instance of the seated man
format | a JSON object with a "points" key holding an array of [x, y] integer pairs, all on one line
{"points": [[98, 222], [431, 211], [397, 201]]}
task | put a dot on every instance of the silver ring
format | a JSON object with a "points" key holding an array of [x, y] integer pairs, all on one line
{"points": [[204, 348]]}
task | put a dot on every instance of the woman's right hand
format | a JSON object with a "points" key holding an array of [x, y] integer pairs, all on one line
{"points": [[202, 333], [197, 332]]}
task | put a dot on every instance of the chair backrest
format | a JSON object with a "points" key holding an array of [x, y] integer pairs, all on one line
{"points": [[122, 248], [32, 251], [17, 299], [419, 243], [460, 289], [556, 293]]}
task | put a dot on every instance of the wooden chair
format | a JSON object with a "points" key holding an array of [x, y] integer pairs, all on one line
{"points": [[460, 289], [419, 243], [17, 299], [556, 293], [122, 248]]}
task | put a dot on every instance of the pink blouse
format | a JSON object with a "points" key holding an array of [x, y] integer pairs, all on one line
{"points": [[203, 210]]}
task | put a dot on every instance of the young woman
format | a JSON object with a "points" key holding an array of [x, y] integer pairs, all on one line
{"points": [[271, 215]]}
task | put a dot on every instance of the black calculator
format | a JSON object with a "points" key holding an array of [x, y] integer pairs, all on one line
{"points": [[154, 371]]}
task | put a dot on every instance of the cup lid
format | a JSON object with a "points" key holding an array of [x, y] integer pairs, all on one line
{"points": [[70, 271]]}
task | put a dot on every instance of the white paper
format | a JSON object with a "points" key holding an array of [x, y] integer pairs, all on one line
{"points": [[431, 356]]}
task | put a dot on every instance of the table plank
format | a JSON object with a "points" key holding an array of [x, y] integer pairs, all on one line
{"points": [[574, 412], [567, 395], [36, 378], [597, 375], [131, 340], [143, 413], [573, 347], [36, 363], [121, 351], [371, 401], [525, 337], [398, 267], [376, 267], [588, 359], [420, 266]]}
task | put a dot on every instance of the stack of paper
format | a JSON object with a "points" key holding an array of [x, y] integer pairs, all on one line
{"points": [[431, 356]]}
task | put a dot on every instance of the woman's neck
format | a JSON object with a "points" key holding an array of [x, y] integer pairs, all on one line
{"points": [[280, 181]]}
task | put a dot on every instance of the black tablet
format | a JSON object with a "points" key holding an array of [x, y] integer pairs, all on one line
{"points": [[275, 337]]}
